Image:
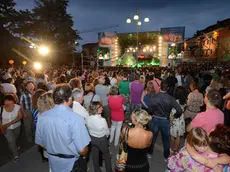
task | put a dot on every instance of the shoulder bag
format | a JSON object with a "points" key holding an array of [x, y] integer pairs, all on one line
{"points": [[121, 162]]}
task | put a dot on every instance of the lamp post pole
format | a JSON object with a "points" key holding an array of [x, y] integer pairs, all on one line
{"points": [[138, 24]]}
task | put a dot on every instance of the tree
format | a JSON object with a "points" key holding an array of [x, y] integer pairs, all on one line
{"points": [[7, 13], [7, 23], [50, 23]]}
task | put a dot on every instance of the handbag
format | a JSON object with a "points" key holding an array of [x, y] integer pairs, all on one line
{"points": [[121, 162]]}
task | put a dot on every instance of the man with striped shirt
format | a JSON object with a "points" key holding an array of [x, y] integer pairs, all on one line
{"points": [[26, 106]]}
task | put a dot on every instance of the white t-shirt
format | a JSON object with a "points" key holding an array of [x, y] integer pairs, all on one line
{"points": [[79, 109], [179, 80], [97, 126], [9, 88], [10, 116]]}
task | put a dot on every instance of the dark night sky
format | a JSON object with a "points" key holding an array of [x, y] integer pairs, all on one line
{"points": [[93, 14]]}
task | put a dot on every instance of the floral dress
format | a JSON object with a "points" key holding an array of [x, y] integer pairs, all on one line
{"points": [[183, 162], [178, 124]]}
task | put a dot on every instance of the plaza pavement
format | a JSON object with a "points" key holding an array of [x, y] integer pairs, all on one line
{"points": [[30, 160]]}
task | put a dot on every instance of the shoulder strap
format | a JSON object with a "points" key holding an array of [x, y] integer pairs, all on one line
{"points": [[92, 98], [126, 134], [157, 83], [1, 113]]}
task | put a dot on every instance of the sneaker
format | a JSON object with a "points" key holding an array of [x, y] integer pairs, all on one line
{"points": [[149, 156], [15, 159]]}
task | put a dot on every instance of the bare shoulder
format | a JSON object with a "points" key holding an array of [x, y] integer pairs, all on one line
{"points": [[149, 133]]}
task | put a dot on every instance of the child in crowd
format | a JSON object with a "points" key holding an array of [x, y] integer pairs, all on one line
{"points": [[199, 140]]}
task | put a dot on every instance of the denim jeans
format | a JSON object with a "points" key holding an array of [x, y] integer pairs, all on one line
{"points": [[162, 125]]}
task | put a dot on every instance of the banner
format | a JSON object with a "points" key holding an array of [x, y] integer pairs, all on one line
{"points": [[173, 34]]}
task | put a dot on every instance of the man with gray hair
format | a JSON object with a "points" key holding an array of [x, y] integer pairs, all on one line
{"points": [[78, 98], [51, 86]]}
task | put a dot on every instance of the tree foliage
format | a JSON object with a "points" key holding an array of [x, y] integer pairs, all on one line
{"points": [[7, 23], [50, 24], [7, 13]]}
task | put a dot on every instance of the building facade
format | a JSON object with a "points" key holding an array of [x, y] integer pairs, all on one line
{"points": [[212, 43]]}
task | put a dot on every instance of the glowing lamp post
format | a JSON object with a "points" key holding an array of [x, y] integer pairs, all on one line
{"points": [[136, 18], [11, 62], [43, 50], [37, 66], [24, 62]]}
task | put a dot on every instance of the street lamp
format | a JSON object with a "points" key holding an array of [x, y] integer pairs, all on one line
{"points": [[146, 20], [136, 17], [43, 50], [37, 65], [128, 20]]}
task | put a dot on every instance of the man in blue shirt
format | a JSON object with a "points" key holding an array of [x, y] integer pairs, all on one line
{"points": [[62, 132]]}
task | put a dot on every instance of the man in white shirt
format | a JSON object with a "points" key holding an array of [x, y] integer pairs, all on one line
{"points": [[179, 78], [77, 103]]}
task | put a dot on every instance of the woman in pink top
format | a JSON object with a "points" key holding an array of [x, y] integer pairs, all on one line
{"points": [[116, 103], [212, 116]]}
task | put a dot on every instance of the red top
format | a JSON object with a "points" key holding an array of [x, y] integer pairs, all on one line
{"points": [[115, 104]]}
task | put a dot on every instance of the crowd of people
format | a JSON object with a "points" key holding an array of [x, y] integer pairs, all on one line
{"points": [[72, 114]]}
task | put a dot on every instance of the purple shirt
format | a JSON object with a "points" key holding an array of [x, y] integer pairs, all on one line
{"points": [[136, 89]]}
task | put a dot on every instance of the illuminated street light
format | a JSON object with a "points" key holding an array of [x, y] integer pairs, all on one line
{"points": [[136, 17], [139, 23], [32, 46], [128, 20], [37, 65], [146, 20], [43, 50]]}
